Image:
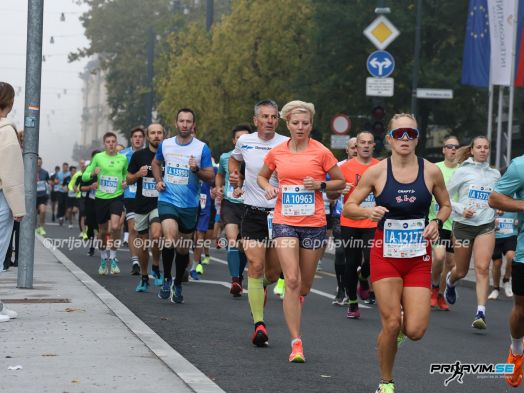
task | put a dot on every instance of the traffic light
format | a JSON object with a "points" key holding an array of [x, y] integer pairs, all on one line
{"points": [[378, 115]]}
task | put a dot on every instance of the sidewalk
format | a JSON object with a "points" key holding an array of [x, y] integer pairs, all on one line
{"points": [[71, 335]]}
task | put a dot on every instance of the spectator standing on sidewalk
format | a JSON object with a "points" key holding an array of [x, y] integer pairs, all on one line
{"points": [[12, 203]]}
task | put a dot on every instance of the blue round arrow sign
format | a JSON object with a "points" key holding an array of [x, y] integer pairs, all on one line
{"points": [[380, 64]]}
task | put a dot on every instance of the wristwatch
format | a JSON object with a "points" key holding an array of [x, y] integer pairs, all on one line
{"points": [[439, 222], [322, 186]]}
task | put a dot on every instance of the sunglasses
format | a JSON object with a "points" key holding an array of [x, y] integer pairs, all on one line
{"points": [[451, 147], [398, 133]]}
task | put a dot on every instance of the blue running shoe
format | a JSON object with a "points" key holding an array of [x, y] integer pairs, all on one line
{"points": [[194, 275], [159, 278], [450, 293], [176, 294], [165, 289], [480, 321], [143, 286]]}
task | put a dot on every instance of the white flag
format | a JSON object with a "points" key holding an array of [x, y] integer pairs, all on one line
{"points": [[501, 25]]}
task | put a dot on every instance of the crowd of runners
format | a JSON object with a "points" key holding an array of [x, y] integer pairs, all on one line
{"points": [[403, 230]]}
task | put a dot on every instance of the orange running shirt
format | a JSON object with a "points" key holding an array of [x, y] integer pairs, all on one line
{"points": [[353, 171], [295, 206]]}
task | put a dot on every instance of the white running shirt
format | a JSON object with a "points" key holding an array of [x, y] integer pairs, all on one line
{"points": [[252, 150]]}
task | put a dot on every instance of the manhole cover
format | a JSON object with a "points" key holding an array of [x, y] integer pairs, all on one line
{"points": [[26, 300]]}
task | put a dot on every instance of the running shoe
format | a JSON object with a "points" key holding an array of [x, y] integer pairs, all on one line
{"points": [[371, 299], [339, 298], [514, 379], [205, 260], [194, 275], [362, 293], [84, 236], [70, 226], [236, 287], [401, 338], [143, 286], [176, 294], [353, 311], [165, 289], [114, 266], [441, 303], [434, 297], [135, 269], [61, 221], [480, 321], [103, 270], [199, 269], [280, 287], [386, 388], [42, 231], [494, 294], [91, 252], [451, 292], [507, 289], [158, 277], [260, 338], [297, 352]]}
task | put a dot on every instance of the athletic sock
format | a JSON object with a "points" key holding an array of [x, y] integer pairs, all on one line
{"points": [[168, 254], [194, 265], [145, 277], [243, 263], [112, 254], [233, 261], [126, 237], [181, 262], [448, 283], [104, 254], [481, 309], [266, 282], [134, 260], [255, 296], [505, 280], [516, 346]]}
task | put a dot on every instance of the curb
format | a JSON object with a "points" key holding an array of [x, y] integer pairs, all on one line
{"points": [[195, 379]]}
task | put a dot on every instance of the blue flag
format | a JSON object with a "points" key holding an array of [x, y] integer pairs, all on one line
{"points": [[476, 62]]}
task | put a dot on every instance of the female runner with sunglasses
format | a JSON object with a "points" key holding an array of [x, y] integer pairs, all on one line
{"points": [[400, 260], [473, 219]]}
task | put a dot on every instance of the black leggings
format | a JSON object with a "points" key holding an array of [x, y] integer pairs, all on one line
{"points": [[357, 244]]}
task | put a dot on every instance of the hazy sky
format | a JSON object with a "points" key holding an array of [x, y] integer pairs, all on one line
{"points": [[61, 100]]}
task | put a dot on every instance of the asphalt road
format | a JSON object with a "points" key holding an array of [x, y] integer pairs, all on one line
{"points": [[212, 330]]}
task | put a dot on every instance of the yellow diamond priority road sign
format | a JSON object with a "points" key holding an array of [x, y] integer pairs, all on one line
{"points": [[381, 32]]}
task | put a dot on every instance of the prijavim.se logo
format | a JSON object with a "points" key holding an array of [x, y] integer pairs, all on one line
{"points": [[458, 369]]}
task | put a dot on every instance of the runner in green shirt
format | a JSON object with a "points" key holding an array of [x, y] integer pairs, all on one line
{"points": [[110, 169]]}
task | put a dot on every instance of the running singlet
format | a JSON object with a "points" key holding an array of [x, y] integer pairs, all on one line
{"points": [[353, 171], [113, 171], [223, 169], [42, 177], [408, 206], [512, 185], [295, 205], [130, 191], [146, 194], [433, 210], [60, 176], [182, 185], [251, 149]]}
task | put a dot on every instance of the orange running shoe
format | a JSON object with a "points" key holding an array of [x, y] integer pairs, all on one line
{"points": [[259, 337], [514, 379], [434, 295], [297, 352], [441, 303]]}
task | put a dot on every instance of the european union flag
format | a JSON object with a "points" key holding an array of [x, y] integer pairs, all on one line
{"points": [[477, 50]]}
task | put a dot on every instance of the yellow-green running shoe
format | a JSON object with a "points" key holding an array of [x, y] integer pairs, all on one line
{"points": [[199, 269], [386, 388], [280, 287], [205, 260]]}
